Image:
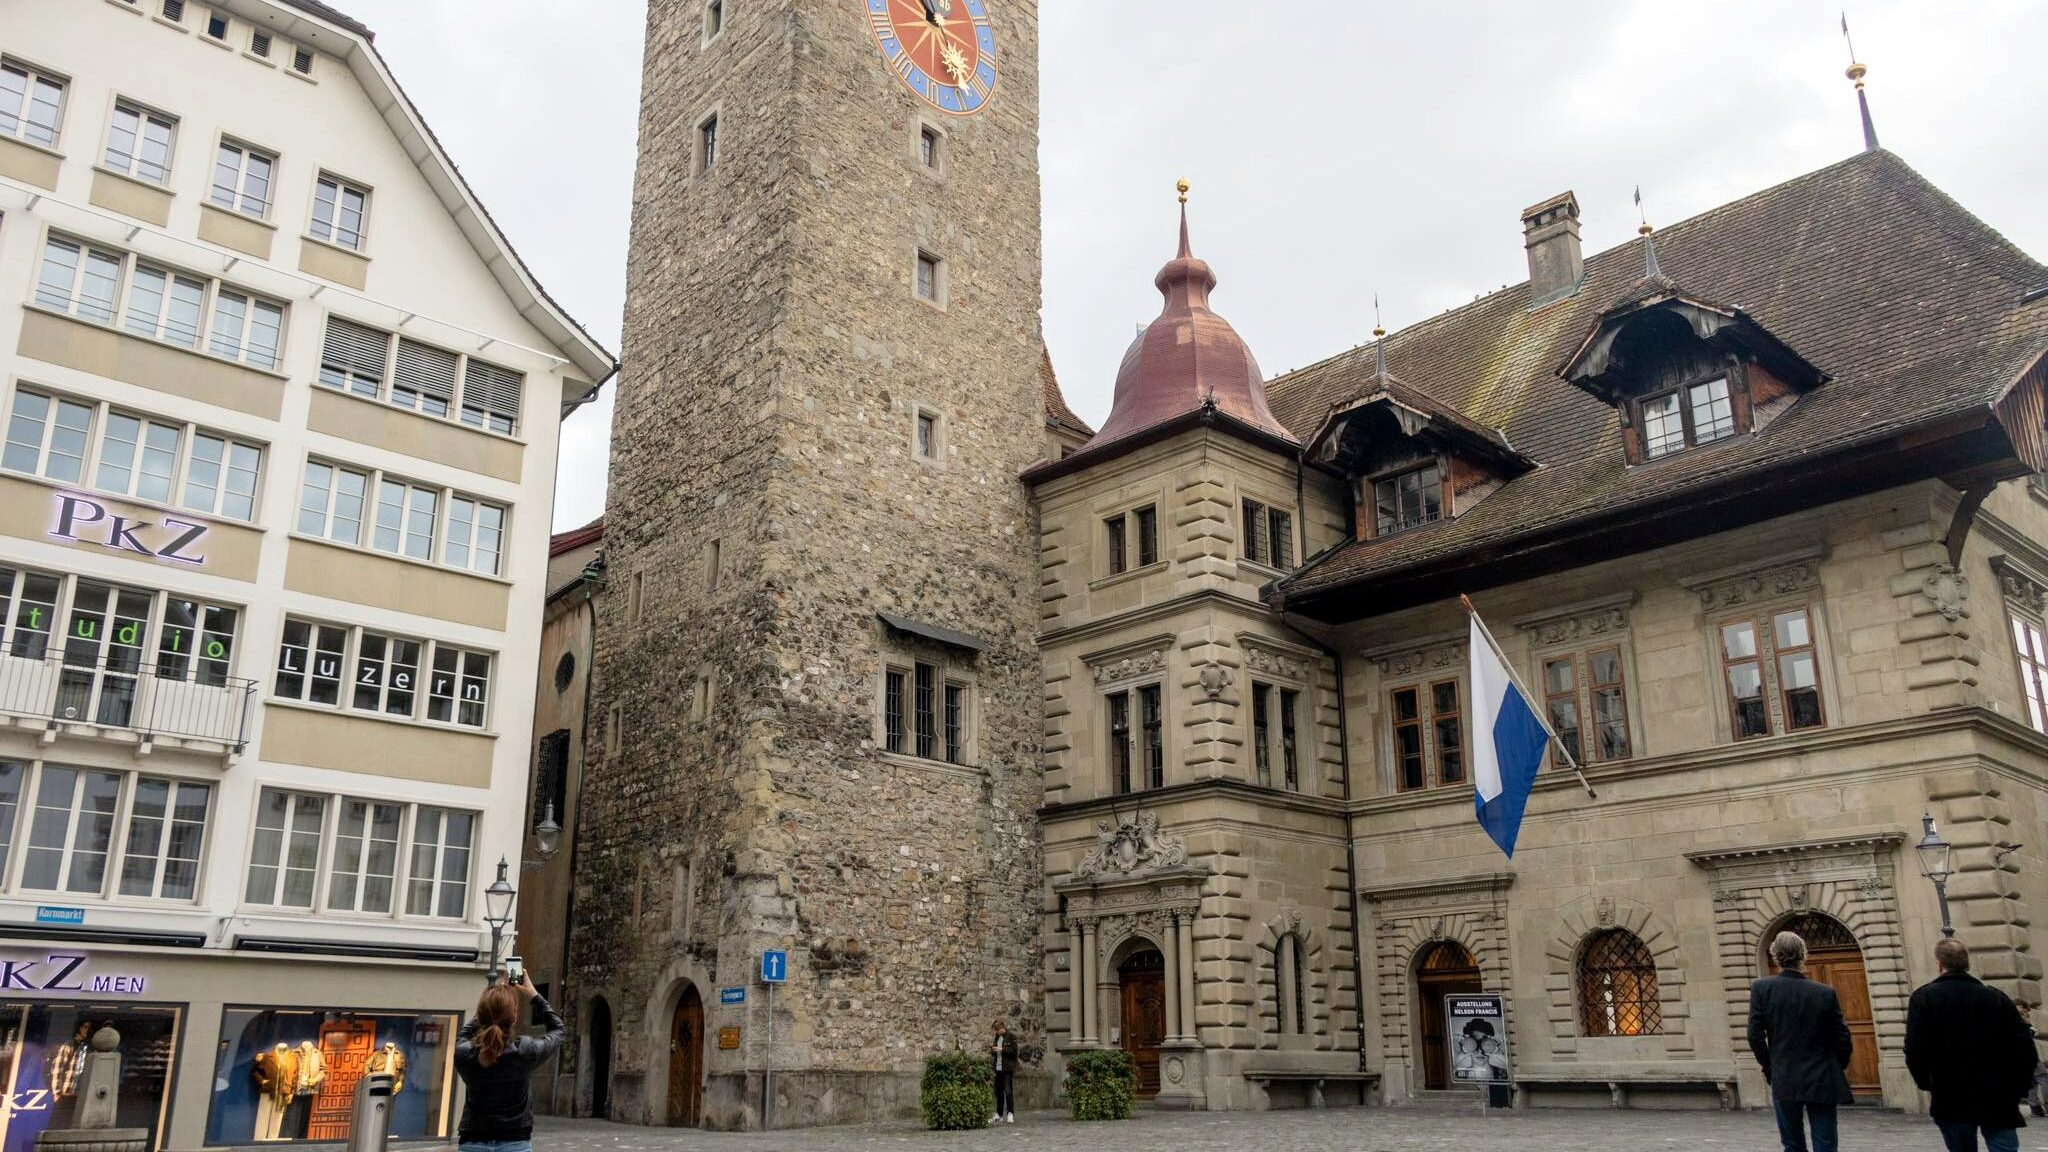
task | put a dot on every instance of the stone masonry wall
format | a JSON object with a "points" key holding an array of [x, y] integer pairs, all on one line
{"points": [[776, 356]]}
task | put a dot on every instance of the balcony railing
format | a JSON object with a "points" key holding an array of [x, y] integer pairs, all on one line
{"points": [[187, 700]]}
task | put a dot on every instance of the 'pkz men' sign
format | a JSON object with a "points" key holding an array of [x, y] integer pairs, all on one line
{"points": [[59, 972], [89, 521]]}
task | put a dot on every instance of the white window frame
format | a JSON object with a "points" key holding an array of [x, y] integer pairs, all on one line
{"points": [[487, 396], [457, 690], [2028, 633], [17, 827], [54, 405], [470, 546], [122, 308], [238, 197], [714, 21], [330, 230], [235, 338], [328, 511], [385, 684], [413, 523], [134, 164], [360, 874], [24, 127], [145, 459], [441, 878], [100, 416], [323, 836]]}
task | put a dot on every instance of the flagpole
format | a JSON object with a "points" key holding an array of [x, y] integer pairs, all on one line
{"points": [[1542, 721]]}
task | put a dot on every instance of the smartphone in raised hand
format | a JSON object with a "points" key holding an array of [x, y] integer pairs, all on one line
{"points": [[515, 969]]}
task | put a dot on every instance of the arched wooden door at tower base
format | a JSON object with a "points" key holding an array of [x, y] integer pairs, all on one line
{"points": [[1834, 959], [1142, 982], [686, 1061]]}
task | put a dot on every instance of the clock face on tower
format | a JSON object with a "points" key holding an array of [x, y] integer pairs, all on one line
{"points": [[944, 51]]}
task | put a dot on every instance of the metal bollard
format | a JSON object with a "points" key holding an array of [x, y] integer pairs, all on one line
{"points": [[369, 1129]]}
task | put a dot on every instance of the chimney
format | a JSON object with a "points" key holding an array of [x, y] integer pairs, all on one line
{"points": [[1550, 231]]}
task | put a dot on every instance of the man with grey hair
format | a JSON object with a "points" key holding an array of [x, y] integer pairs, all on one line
{"points": [[1972, 1051], [1802, 1043]]}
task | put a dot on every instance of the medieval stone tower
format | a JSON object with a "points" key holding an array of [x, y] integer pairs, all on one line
{"points": [[817, 701]]}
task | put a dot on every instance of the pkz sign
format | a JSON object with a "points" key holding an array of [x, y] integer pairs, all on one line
{"points": [[87, 521], [63, 972]]}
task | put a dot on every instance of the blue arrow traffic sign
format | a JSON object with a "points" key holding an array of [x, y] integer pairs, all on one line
{"points": [[774, 967]]}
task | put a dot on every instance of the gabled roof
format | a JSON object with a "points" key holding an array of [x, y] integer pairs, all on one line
{"points": [[1917, 310], [1419, 412], [1717, 324], [336, 34], [1057, 413]]}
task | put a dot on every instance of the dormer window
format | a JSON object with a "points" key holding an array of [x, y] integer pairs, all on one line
{"points": [[1686, 372], [1706, 414], [1408, 499]]}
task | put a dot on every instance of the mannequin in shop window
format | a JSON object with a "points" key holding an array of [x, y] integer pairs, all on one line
{"points": [[65, 1065], [391, 1061], [310, 1071], [277, 1084]]}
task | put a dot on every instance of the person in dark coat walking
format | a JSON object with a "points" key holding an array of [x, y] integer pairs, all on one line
{"points": [[1969, 1047], [1002, 1052], [1801, 1041]]}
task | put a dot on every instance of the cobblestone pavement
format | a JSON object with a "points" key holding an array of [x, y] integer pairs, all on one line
{"points": [[1427, 1126]]}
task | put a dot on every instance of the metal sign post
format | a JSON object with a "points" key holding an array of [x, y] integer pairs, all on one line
{"points": [[774, 970]]}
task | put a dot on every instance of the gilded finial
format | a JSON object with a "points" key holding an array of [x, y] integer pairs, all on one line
{"points": [[1643, 229], [1182, 187], [1378, 330], [1856, 72]]}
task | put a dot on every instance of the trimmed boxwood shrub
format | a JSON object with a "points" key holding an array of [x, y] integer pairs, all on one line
{"points": [[1101, 1085], [957, 1092]]}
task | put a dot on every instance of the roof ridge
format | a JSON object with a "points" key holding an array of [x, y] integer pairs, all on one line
{"points": [[1426, 323]]}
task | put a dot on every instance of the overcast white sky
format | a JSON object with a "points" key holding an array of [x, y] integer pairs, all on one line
{"points": [[1335, 152]]}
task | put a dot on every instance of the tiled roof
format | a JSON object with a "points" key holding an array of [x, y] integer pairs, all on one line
{"points": [[575, 538], [1056, 411], [1916, 309]]}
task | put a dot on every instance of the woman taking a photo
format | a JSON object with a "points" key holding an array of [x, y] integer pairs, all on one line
{"points": [[496, 1065]]}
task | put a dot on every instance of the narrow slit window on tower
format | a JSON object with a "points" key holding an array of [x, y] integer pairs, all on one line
{"points": [[707, 144], [930, 435], [931, 283], [714, 19], [1147, 519], [1113, 542], [892, 710], [928, 145]]}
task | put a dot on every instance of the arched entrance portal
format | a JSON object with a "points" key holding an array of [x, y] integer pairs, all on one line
{"points": [[686, 1061], [1445, 968], [600, 1061], [1142, 980], [1833, 958]]}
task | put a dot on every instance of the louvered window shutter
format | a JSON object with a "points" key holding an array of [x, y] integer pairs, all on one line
{"points": [[424, 379], [353, 358], [490, 397]]}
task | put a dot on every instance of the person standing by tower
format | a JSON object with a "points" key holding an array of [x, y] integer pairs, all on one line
{"points": [[1003, 1053], [1969, 1048], [1799, 1036]]}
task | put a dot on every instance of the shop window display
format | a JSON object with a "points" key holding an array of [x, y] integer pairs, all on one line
{"points": [[291, 1073], [43, 1047]]}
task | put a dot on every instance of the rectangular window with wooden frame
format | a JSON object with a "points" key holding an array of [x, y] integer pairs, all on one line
{"points": [[2032, 650], [1585, 700], [1427, 731], [1408, 500], [1137, 739], [926, 713], [1771, 672], [1131, 539], [1686, 417], [1275, 748], [1268, 534]]}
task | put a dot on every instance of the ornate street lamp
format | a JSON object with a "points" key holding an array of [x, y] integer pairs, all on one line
{"points": [[498, 912], [1934, 864], [547, 835]]}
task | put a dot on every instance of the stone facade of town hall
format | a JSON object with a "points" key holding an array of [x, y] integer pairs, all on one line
{"points": [[1154, 736]]}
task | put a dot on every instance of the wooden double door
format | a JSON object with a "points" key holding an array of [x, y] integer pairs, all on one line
{"points": [[1833, 959], [1447, 969], [686, 1062], [1142, 982]]}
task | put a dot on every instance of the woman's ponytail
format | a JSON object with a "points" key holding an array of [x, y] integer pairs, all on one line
{"points": [[496, 1013]]}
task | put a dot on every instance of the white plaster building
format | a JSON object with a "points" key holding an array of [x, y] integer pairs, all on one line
{"points": [[280, 407]]}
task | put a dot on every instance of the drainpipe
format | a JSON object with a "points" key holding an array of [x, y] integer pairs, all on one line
{"points": [[1344, 769]]}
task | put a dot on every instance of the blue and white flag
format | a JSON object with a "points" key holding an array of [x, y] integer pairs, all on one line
{"points": [[1507, 746]]}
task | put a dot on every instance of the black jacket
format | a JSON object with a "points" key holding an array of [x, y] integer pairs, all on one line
{"points": [[1968, 1046], [497, 1105], [1008, 1059], [1800, 1039]]}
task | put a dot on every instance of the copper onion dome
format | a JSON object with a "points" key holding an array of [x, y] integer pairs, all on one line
{"points": [[1187, 359]]}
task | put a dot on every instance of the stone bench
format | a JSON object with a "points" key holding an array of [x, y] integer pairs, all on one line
{"points": [[1618, 1085], [1366, 1084]]}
